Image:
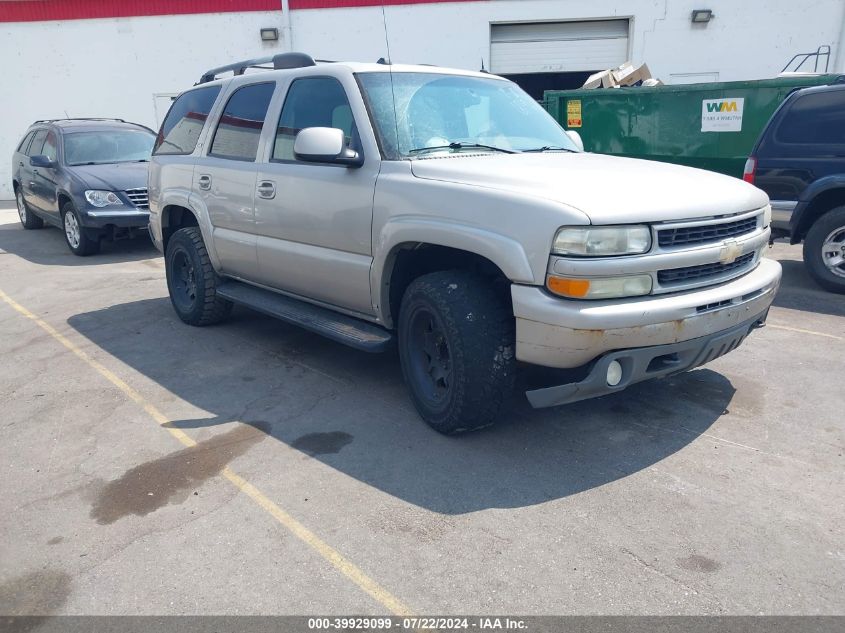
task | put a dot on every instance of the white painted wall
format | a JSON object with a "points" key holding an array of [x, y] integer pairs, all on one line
{"points": [[113, 67], [750, 39]]}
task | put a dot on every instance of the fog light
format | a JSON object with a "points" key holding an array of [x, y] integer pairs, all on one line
{"points": [[614, 373]]}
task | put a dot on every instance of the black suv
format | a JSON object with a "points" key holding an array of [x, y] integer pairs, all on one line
{"points": [[86, 176], [799, 160]]}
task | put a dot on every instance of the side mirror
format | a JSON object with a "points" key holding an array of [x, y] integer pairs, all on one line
{"points": [[576, 138], [41, 161], [325, 145]]}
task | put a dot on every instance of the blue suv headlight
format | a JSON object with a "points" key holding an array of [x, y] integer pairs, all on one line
{"points": [[102, 198]]}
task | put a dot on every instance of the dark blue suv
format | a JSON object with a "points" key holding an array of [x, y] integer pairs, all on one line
{"points": [[85, 176], [799, 160]]}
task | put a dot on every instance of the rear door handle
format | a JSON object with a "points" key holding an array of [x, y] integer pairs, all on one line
{"points": [[267, 189], [205, 182]]}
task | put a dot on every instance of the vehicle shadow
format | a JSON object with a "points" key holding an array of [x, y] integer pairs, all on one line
{"points": [[798, 291], [349, 410], [47, 246]]}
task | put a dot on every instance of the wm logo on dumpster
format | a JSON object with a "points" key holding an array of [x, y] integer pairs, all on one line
{"points": [[721, 106], [722, 115]]}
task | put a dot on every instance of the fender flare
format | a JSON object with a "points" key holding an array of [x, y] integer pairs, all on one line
{"points": [[184, 198], [797, 223], [507, 254]]}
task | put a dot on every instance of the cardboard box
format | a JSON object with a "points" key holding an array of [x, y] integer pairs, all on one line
{"points": [[628, 75], [603, 79], [620, 72], [625, 75]]}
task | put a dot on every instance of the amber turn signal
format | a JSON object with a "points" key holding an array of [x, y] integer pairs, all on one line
{"points": [[600, 287], [569, 287]]}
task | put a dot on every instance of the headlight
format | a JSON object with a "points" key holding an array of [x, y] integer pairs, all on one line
{"points": [[102, 198], [767, 216], [600, 241], [600, 288]]}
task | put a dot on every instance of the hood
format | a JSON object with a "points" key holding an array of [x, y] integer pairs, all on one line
{"points": [[608, 189], [112, 177]]}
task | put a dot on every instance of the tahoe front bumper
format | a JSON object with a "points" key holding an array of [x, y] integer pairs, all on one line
{"points": [[564, 333]]}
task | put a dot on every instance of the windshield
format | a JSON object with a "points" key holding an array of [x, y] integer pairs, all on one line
{"points": [[113, 146], [454, 113]]}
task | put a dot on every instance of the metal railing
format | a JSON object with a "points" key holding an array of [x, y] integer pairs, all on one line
{"points": [[821, 51]]}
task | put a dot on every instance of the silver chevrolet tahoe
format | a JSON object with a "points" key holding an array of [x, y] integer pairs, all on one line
{"points": [[447, 211]]}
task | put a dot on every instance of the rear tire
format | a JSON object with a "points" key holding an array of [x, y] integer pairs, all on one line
{"points": [[824, 250], [28, 219], [456, 346], [78, 239], [191, 280]]}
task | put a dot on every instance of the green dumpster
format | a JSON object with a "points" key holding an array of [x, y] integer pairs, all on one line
{"points": [[712, 126]]}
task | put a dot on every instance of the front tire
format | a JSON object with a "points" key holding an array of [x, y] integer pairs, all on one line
{"points": [[78, 239], [191, 280], [28, 219], [824, 250], [456, 347]]}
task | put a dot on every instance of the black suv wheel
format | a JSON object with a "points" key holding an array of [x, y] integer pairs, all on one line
{"points": [[824, 250], [456, 346], [79, 240], [191, 280], [28, 219]]}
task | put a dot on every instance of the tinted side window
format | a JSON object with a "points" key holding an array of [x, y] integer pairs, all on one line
{"points": [[814, 119], [37, 143], [25, 142], [239, 128], [182, 125], [49, 149], [313, 102]]}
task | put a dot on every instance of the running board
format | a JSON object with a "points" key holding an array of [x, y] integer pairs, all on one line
{"points": [[348, 330]]}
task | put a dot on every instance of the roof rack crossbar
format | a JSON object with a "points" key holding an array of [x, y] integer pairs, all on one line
{"points": [[280, 61], [80, 118]]}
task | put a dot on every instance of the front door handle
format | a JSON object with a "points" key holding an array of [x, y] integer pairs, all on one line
{"points": [[267, 189], [205, 182]]}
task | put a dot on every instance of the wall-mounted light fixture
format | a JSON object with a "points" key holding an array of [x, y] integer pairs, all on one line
{"points": [[269, 35], [702, 16]]}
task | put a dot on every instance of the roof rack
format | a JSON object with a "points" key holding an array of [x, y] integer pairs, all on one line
{"points": [[80, 118], [280, 62]]}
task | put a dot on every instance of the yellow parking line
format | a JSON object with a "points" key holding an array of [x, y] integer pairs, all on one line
{"points": [[335, 558], [801, 331]]}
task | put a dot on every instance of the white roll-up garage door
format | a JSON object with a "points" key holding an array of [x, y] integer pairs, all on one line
{"points": [[552, 47]]}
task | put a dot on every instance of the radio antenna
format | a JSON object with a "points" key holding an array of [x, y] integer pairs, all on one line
{"points": [[390, 70], [386, 38]]}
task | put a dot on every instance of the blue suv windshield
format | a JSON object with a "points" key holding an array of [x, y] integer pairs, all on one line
{"points": [[107, 147], [453, 113]]}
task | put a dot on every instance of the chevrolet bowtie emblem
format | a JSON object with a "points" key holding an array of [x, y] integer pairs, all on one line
{"points": [[730, 251]]}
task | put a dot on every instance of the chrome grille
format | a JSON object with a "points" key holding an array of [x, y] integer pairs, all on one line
{"points": [[704, 234], [139, 197], [702, 272]]}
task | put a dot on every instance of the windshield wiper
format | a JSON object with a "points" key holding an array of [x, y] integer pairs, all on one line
{"points": [[457, 145], [548, 148]]}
